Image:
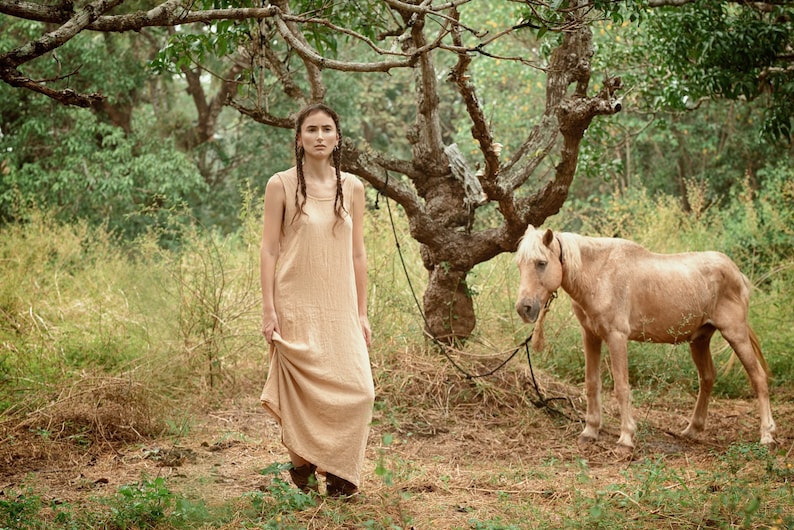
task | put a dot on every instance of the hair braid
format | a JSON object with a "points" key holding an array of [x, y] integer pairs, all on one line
{"points": [[301, 189], [339, 199]]}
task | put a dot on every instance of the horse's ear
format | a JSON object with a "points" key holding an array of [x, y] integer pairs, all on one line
{"points": [[548, 237]]}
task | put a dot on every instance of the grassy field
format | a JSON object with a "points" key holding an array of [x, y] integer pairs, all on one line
{"points": [[130, 383]]}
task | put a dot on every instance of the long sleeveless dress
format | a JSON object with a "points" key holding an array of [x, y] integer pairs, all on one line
{"points": [[319, 385]]}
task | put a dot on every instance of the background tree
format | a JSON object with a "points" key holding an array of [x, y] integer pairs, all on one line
{"points": [[692, 117]]}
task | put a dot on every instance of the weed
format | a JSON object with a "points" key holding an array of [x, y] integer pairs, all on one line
{"points": [[20, 512], [144, 504]]}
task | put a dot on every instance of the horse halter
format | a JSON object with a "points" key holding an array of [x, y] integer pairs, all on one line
{"points": [[560, 243], [554, 293]]}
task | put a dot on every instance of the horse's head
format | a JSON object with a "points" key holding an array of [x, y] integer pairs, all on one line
{"points": [[539, 260]]}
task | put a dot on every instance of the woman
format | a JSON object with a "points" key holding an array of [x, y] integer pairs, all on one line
{"points": [[319, 385]]}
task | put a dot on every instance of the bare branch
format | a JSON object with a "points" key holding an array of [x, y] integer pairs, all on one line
{"points": [[262, 116], [48, 42], [54, 39], [374, 167], [426, 135], [309, 54], [169, 13], [480, 129], [291, 32], [346, 31]]}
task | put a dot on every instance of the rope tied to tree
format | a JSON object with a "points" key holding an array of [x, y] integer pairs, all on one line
{"points": [[542, 401]]}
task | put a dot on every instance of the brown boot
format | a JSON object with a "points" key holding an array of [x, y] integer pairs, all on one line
{"points": [[304, 478], [339, 487]]}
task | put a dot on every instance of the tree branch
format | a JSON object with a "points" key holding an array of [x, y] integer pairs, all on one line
{"points": [[9, 62], [169, 13], [262, 116], [311, 56], [480, 130]]}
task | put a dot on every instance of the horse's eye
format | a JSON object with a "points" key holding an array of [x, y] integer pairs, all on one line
{"points": [[541, 265]]}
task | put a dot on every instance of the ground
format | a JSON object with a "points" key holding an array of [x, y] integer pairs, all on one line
{"points": [[454, 459]]}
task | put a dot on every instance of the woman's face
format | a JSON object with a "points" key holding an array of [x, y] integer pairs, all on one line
{"points": [[318, 135]]}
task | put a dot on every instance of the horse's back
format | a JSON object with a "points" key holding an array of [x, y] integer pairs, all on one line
{"points": [[661, 297]]}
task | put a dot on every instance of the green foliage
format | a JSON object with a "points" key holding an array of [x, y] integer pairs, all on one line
{"points": [[141, 505], [149, 503], [97, 173], [760, 224], [725, 50], [654, 492], [657, 141], [20, 512]]}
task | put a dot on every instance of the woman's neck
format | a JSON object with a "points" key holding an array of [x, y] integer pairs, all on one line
{"points": [[320, 170]]}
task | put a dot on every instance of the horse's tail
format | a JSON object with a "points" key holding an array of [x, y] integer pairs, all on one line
{"points": [[753, 337], [757, 350]]}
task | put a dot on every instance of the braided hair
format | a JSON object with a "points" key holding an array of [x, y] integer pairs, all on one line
{"points": [[300, 192]]}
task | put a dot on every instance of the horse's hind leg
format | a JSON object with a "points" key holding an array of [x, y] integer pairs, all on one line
{"points": [[744, 342], [701, 355]]}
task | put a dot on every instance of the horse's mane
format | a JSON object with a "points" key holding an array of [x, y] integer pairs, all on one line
{"points": [[571, 254]]}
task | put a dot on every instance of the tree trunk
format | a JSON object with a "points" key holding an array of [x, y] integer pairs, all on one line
{"points": [[449, 308]]}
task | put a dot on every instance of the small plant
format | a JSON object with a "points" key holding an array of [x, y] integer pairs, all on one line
{"points": [[141, 505], [20, 512], [381, 470], [275, 505]]}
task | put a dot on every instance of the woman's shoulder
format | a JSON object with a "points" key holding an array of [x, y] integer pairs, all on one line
{"points": [[291, 173], [283, 177], [352, 180]]}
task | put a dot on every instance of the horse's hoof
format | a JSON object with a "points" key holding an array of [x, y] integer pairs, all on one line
{"points": [[586, 439], [623, 452], [626, 440], [691, 432], [770, 443]]}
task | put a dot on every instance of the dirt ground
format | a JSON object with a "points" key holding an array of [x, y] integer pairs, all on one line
{"points": [[453, 459]]}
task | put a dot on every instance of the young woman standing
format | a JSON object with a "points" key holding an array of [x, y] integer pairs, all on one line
{"points": [[314, 300]]}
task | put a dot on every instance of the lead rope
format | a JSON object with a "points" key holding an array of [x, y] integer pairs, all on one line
{"points": [[541, 401]]}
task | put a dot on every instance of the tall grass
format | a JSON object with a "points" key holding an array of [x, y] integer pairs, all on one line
{"points": [[186, 322], [99, 341]]}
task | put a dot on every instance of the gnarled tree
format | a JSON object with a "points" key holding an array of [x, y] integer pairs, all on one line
{"points": [[461, 214]]}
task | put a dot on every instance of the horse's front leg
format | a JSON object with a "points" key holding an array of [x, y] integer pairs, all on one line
{"points": [[618, 354], [592, 378]]}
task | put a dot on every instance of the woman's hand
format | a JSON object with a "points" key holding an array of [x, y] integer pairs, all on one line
{"points": [[366, 329], [270, 326]]}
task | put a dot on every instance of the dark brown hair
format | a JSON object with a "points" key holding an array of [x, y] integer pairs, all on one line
{"points": [[339, 205]]}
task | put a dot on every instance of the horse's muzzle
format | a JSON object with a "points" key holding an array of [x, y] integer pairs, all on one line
{"points": [[528, 310]]}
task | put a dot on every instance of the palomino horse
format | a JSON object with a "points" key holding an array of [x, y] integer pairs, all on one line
{"points": [[620, 291]]}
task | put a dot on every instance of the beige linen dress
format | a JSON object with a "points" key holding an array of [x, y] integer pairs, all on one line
{"points": [[319, 385]]}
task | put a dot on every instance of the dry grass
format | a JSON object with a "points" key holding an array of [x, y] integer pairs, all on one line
{"points": [[460, 450]]}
